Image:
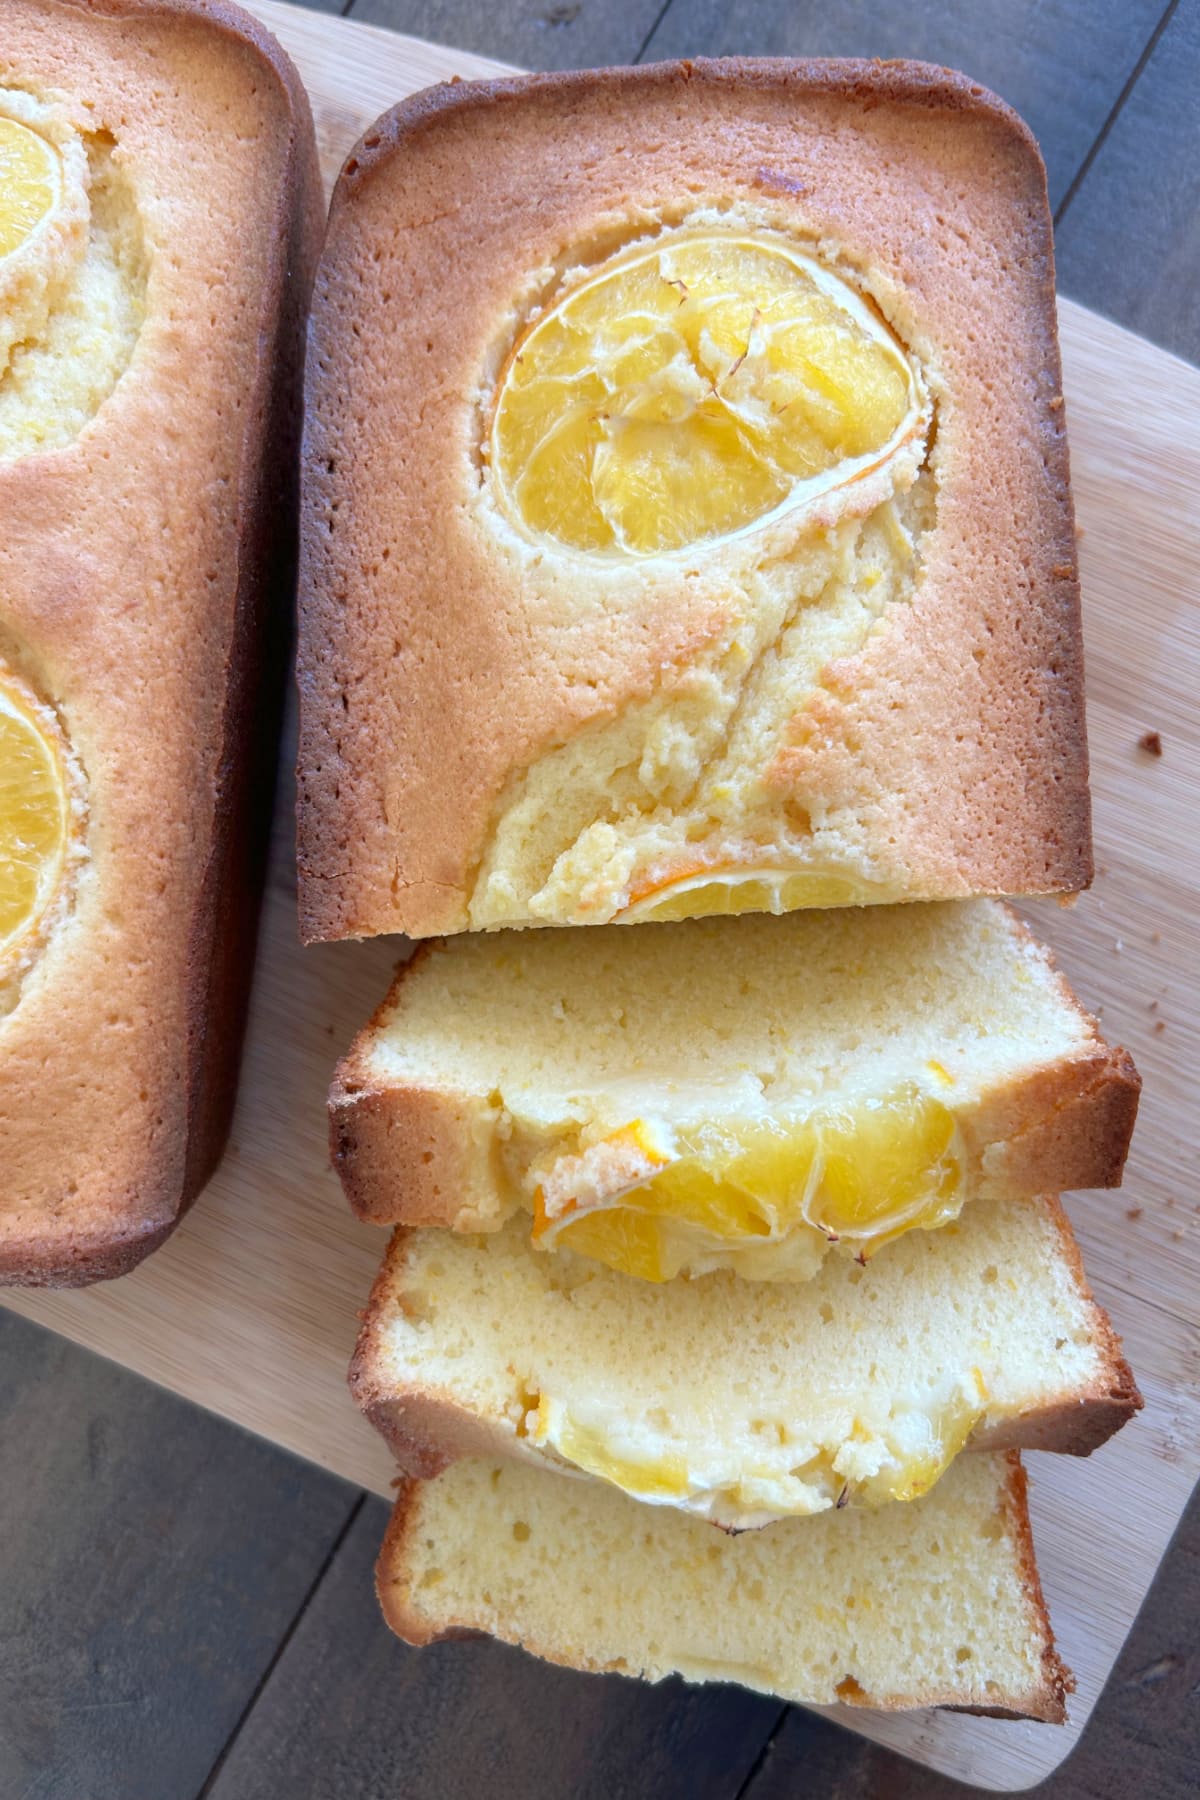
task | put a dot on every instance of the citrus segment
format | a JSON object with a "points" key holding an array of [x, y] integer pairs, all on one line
{"points": [[881, 1164], [710, 895], [864, 1171], [30, 181], [688, 389], [947, 1431], [656, 1478], [33, 817], [619, 1237], [906, 1454]]}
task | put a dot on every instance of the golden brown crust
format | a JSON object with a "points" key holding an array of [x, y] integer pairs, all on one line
{"points": [[390, 1588], [956, 735], [404, 1164], [1049, 1703], [156, 620], [1045, 1702], [1087, 1420], [416, 1449], [1079, 1127]]}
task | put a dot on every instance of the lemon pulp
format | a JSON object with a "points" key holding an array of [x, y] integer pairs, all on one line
{"points": [[690, 388], [733, 1195], [29, 183], [663, 1477], [729, 891], [33, 817], [911, 1449], [947, 1432]]}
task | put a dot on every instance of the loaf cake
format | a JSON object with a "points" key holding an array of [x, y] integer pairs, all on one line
{"points": [[744, 1402], [933, 1604], [159, 219], [687, 533], [667, 431], [729, 1093]]}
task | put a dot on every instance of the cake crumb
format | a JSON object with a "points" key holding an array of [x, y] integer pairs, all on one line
{"points": [[1133, 1212], [1151, 742], [1160, 1024]]}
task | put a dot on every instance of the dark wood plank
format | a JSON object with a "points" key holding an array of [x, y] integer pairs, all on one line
{"points": [[1142, 1743], [1129, 238], [1061, 63], [154, 1557], [350, 1711], [537, 34]]}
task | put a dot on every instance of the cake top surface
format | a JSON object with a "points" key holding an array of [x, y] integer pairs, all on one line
{"points": [[541, 681]]}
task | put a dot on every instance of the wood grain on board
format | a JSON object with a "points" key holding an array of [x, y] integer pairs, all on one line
{"points": [[251, 1308]]}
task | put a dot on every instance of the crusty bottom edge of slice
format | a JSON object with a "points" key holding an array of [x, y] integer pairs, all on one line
{"points": [[421, 1623]]}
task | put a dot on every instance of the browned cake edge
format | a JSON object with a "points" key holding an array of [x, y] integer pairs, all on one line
{"points": [[225, 928]]}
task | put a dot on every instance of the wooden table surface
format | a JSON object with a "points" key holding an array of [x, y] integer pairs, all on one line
{"points": [[185, 1610]]}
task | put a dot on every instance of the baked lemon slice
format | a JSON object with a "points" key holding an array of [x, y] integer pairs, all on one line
{"points": [[906, 1454], [750, 1195], [34, 814], [715, 893], [689, 389], [30, 183]]}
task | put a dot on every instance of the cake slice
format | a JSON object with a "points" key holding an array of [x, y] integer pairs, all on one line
{"points": [[933, 1604], [744, 1402], [659, 481], [748, 1094]]}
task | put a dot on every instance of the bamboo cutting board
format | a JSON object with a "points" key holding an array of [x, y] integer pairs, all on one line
{"points": [[251, 1308]]}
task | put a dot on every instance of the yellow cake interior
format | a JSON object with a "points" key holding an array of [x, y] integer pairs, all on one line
{"points": [[743, 1402]]}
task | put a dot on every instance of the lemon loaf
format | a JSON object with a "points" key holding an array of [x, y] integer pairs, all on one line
{"points": [[933, 1604], [666, 430], [159, 215], [741, 1093], [742, 1401]]}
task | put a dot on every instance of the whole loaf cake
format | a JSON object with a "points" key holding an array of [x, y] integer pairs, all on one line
{"points": [[687, 521], [158, 225]]}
